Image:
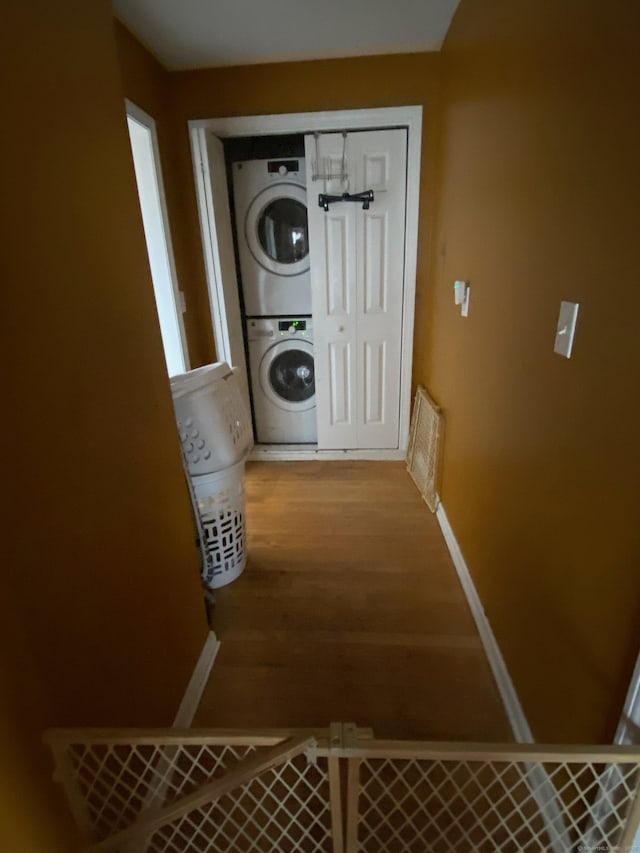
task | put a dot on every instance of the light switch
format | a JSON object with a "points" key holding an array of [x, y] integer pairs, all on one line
{"points": [[566, 328], [462, 293], [459, 291], [464, 308]]}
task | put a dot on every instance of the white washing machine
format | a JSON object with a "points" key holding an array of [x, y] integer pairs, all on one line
{"points": [[270, 199], [282, 379]]}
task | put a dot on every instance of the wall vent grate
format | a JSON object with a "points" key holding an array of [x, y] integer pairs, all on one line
{"points": [[425, 447]]}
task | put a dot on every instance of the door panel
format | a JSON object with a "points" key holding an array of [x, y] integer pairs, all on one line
{"points": [[376, 170], [374, 382], [375, 280], [357, 270], [338, 295], [381, 162], [340, 359], [332, 237]]}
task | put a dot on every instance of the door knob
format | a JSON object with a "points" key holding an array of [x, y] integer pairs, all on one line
{"points": [[341, 328]]}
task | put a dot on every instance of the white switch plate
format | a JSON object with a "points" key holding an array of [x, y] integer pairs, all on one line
{"points": [[566, 328], [461, 294], [464, 310], [459, 291]]}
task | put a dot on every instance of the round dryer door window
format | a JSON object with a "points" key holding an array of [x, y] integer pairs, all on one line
{"points": [[282, 231], [287, 375], [276, 229]]}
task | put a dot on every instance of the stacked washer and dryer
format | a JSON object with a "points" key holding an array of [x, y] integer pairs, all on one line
{"points": [[273, 246]]}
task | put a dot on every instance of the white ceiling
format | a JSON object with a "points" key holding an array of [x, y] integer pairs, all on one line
{"points": [[206, 33]]}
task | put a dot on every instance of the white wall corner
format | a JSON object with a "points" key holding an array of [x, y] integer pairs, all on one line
{"points": [[197, 683]]}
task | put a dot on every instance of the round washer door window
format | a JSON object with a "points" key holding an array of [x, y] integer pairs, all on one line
{"points": [[287, 375], [276, 229]]}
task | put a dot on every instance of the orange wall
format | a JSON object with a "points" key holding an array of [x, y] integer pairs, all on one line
{"points": [[100, 570], [538, 203], [379, 81], [33, 815]]}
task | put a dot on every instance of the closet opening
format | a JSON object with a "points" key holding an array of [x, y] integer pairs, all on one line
{"points": [[315, 310]]}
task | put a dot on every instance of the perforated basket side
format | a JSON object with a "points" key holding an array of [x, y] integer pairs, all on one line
{"points": [[220, 502], [214, 426]]}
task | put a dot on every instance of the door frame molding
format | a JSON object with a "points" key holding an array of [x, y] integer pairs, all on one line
{"points": [[137, 114], [224, 301], [629, 723]]}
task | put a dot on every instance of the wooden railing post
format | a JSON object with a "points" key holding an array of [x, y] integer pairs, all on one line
{"points": [[65, 776], [335, 787], [633, 821], [350, 742]]}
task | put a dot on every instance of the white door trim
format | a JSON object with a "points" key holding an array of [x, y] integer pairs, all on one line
{"points": [[223, 326], [137, 114], [225, 329]]}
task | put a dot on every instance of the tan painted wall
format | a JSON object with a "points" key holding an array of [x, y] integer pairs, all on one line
{"points": [[33, 815], [540, 202], [300, 87], [99, 568]]}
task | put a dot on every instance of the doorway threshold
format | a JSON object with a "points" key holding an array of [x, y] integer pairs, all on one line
{"points": [[302, 452]]}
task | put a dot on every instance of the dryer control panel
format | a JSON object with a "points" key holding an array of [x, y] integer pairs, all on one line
{"points": [[282, 168]]}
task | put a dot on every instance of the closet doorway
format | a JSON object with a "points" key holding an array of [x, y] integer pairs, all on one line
{"points": [[217, 237]]}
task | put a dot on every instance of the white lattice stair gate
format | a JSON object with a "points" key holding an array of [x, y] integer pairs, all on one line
{"points": [[339, 790]]}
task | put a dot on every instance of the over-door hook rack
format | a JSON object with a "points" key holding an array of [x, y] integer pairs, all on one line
{"points": [[365, 197], [329, 174]]}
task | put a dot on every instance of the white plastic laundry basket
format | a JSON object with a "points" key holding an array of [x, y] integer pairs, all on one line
{"points": [[213, 420], [220, 504]]}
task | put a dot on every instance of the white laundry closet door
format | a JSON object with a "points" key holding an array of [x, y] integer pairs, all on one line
{"points": [[357, 271], [332, 256]]}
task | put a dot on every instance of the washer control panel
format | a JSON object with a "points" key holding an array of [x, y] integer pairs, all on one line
{"points": [[292, 326], [278, 327]]}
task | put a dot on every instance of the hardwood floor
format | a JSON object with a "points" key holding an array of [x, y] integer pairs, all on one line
{"points": [[349, 609]]}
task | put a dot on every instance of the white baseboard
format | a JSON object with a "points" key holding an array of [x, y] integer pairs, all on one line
{"points": [[197, 683], [539, 781], [513, 708], [302, 453]]}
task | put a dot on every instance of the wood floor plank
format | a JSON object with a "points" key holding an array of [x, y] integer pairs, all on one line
{"points": [[349, 609]]}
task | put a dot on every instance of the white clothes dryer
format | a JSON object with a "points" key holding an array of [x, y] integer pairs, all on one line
{"points": [[282, 380], [270, 199]]}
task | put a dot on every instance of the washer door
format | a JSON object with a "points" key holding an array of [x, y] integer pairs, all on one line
{"points": [[287, 375], [276, 229]]}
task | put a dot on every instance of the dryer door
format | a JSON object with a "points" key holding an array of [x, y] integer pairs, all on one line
{"points": [[276, 229], [287, 375]]}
